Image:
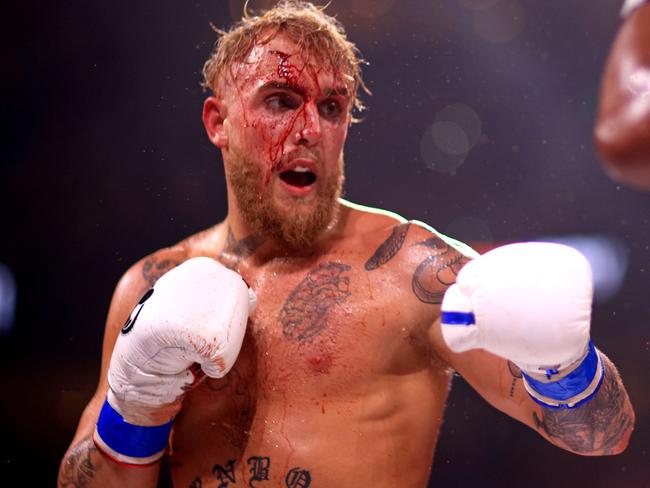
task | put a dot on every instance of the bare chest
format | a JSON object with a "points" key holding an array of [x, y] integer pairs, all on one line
{"points": [[329, 348]]}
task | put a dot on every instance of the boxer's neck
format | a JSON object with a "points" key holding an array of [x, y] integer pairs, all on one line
{"points": [[240, 241]]}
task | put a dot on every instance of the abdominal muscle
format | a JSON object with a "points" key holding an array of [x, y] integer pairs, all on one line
{"points": [[382, 435]]}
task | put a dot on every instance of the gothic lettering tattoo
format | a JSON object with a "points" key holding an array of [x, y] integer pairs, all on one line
{"points": [[597, 425], [437, 272], [236, 251], [153, 269], [225, 475], [77, 468], [389, 248], [298, 478], [304, 314], [259, 469]]}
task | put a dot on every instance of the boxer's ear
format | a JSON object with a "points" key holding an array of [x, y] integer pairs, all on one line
{"points": [[214, 116]]}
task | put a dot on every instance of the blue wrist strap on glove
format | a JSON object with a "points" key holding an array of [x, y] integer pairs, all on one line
{"points": [[573, 389], [125, 442]]}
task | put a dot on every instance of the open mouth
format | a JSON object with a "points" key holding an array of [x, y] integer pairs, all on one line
{"points": [[299, 176]]}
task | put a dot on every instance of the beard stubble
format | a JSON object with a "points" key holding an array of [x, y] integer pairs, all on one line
{"points": [[295, 227]]}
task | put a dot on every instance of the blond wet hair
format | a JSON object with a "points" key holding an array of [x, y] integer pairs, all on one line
{"points": [[307, 25]]}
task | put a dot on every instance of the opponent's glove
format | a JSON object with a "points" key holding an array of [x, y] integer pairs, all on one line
{"points": [[195, 314], [530, 303], [630, 6]]}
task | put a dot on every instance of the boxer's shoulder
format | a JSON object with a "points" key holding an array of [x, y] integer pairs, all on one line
{"points": [[395, 244], [144, 273]]}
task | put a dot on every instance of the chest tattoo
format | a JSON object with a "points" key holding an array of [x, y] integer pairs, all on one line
{"points": [[304, 314]]}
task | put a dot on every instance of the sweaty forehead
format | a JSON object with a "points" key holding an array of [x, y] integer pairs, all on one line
{"points": [[281, 60]]}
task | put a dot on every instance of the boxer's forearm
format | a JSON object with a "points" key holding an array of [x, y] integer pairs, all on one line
{"points": [[601, 426], [83, 466]]}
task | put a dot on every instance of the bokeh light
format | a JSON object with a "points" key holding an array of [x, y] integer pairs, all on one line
{"points": [[455, 131], [478, 4], [7, 299], [607, 256], [501, 22]]}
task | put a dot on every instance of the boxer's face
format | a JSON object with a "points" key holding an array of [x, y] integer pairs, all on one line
{"points": [[286, 121]]}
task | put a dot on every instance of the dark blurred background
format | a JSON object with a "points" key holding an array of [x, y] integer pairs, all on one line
{"points": [[480, 124]]}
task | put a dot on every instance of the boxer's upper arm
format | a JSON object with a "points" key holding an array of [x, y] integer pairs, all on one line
{"points": [[130, 288]]}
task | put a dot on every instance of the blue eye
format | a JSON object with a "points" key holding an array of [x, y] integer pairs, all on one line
{"points": [[330, 109]]}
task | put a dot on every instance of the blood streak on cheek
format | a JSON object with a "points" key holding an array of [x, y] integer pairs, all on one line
{"points": [[291, 74]]}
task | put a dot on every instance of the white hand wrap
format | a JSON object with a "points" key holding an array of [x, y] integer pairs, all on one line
{"points": [[196, 313], [530, 303]]}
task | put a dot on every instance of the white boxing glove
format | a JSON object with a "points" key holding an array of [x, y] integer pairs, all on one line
{"points": [[195, 313], [530, 303]]}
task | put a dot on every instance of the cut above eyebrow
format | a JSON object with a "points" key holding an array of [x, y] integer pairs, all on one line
{"points": [[281, 85]]}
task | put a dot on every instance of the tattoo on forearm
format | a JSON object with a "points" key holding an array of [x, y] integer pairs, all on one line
{"points": [[153, 269], [235, 251], [304, 314], [77, 468], [389, 248], [597, 425], [437, 272], [516, 375], [260, 470]]}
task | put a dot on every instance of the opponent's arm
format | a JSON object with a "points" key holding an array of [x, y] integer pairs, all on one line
{"points": [[531, 303], [622, 129]]}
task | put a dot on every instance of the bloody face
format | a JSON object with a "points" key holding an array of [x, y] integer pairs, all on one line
{"points": [[287, 120]]}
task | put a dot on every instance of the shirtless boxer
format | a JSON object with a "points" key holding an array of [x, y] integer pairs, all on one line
{"points": [[347, 358], [622, 131]]}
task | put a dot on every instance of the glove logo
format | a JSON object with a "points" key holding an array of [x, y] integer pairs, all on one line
{"points": [[136, 311]]}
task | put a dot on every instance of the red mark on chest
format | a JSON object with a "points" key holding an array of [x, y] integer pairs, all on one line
{"points": [[320, 363]]}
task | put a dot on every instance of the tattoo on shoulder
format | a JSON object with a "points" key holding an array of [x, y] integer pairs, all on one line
{"points": [[153, 268], [438, 271], [235, 251], [389, 248], [304, 314], [597, 425], [77, 468]]}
